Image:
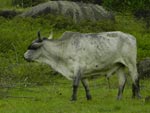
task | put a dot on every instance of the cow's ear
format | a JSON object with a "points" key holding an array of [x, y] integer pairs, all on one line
{"points": [[51, 35]]}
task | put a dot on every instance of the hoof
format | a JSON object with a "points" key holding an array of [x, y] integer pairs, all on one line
{"points": [[137, 96], [89, 97], [73, 99], [147, 99], [119, 97]]}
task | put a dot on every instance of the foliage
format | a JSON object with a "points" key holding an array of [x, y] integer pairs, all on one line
{"points": [[27, 3], [4, 3], [140, 8], [124, 5], [87, 1]]}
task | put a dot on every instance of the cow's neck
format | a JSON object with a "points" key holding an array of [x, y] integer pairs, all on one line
{"points": [[52, 53]]}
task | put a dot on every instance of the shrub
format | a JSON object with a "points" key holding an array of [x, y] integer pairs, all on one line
{"points": [[124, 5], [27, 3]]}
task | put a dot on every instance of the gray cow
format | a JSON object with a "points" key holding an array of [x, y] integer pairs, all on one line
{"points": [[78, 56]]}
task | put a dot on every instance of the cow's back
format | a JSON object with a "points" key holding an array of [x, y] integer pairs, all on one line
{"points": [[99, 45]]}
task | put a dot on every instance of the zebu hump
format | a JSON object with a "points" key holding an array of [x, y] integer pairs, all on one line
{"points": [[69, 34]]}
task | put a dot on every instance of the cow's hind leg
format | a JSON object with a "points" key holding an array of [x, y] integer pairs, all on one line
{"points": [[135, 84], [122, 81], [136, 89], [86, 86]]}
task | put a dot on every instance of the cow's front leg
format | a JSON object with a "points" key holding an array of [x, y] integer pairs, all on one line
{"points": [[76, 82], [86, 86]]}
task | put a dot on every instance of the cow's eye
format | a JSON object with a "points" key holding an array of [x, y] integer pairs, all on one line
{"points": [[35, 46], [32, 47]]}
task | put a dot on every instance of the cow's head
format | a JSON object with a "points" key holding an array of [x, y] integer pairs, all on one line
{"points": [[34, 49]]}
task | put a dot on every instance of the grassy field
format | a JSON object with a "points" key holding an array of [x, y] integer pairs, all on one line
{"points": [[35, 88], [54, 98]]}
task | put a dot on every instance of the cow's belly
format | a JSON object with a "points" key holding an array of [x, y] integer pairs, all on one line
{"points": [[110, 70], [88, 68]]}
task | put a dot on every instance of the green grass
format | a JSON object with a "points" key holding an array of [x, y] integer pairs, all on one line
{"points": [[35, 88], [5, 4], [54, 98]]}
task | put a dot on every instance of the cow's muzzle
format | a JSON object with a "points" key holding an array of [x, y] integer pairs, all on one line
{"points": [[27, 58]]}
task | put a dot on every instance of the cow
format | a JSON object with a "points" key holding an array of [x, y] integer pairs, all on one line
{"points": [[79, 56]]}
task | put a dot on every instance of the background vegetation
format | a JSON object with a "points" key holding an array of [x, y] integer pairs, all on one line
{"points": [[18, 33], [32, 87]]}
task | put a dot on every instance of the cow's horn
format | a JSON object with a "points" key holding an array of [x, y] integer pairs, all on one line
{"points": [[51, 35], [39, 36]]}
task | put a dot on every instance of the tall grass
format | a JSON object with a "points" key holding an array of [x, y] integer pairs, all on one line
{"points": [[127, 5], [5, 4], [17, 33]]}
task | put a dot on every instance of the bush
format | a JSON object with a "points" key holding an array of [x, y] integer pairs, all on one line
{"points": [[126, 5], [27, 3], [88, 1]]}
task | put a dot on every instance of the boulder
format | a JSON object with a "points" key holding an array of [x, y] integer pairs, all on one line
{"points": [[76, 10], [144, 68], [9, 13]]}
